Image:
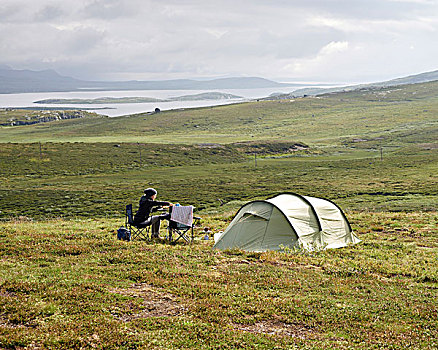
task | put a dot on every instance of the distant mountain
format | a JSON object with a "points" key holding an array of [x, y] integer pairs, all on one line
{"points": [[187, 84], [411, 79], [17, 81]]}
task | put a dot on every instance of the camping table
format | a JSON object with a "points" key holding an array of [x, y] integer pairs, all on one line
{"points": [[181, 229]]}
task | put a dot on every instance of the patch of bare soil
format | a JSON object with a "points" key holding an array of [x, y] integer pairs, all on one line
{"points": [[226, 264], [278, 328], [429, 146], [210, 145], [154, 303], [5, 293], [5, 323]]}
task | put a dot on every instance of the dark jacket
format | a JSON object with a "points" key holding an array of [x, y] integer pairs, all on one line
{"points": [[145, 207]]}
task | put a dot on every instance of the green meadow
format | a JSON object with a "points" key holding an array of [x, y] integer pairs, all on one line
{"points": [[67, 282]]}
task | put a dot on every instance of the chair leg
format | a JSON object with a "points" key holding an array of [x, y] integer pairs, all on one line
{"points": [[136, 233], [183, 235]]}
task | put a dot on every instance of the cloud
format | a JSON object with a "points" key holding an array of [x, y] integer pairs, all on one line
{"points": [[334, 47], [110, 9], [48, 13], [151, 39]]}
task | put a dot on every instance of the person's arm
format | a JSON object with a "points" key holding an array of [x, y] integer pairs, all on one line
{"points": [[160, 204]]}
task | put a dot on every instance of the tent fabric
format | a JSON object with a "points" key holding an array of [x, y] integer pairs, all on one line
{"points": [[287, 220]]}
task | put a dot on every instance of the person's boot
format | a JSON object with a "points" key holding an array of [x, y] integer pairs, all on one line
{"points": [[154, 235]]}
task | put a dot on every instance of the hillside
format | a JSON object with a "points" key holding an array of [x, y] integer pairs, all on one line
{"points": [[390, 115], [411, 79]]}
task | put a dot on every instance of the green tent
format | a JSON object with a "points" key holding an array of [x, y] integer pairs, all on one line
{"points": [[287, 220]]}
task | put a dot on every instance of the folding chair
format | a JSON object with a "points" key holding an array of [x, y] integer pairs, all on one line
{"points": [[137, 231], [180, 230]]}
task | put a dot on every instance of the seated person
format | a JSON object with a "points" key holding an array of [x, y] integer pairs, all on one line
{"points": [[147, 202]]}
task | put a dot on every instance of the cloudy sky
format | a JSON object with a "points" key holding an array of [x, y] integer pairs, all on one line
{"points": [[305, 40]]}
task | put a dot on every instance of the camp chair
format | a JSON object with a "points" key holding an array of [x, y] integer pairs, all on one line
{"points": [[137, 231], [180, 231]]}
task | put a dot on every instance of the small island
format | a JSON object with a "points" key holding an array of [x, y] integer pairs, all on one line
{"points": [[206, 96], [111, 100]]}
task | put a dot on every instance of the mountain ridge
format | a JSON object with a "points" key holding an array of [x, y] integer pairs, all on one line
{"points": [[21, 81]]}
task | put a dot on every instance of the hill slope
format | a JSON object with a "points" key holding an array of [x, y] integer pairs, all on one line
{"points": [[411, 79], [387, 114]]}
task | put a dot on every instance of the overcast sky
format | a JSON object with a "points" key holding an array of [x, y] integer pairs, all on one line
{"points": [[305, 40]]}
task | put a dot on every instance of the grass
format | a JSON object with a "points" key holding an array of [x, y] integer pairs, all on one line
{"points": [[71, 284], [89, 180], [67, 282]]}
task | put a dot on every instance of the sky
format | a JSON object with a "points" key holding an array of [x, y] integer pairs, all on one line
{"points": [[331, 41]]}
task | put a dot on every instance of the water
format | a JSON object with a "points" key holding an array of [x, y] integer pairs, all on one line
{"points": [[119, 109]]}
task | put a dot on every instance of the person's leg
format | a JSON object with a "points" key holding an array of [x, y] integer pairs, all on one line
{"points": [[155, 225], [156, 221]]}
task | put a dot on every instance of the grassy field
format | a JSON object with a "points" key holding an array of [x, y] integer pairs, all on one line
{"points": [[67, 282], [89, 180], [71, 284]]}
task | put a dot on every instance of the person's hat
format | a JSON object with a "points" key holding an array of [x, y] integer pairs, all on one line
{"points": [[149, 192]]}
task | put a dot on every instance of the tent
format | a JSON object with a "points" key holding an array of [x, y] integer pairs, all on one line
{"points": [[287, 220]]}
